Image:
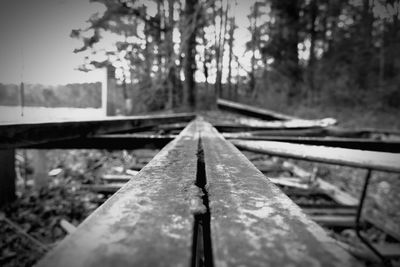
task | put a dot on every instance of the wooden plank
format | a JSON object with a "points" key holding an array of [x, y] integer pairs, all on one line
{"points": [[148, 222], [68, 227], [343, 221], [336, 194], [117, 178], [7, 176], [339, 196], [28, 134], [104, 188], [330, 211], [242, 132], [252, 111], [252, 222], [352, 143], [110, 142], [291, 182], [342, 156], [274, 129], [231, 131]]}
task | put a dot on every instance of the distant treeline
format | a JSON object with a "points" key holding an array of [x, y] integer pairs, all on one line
{"points": [[76, 95]]}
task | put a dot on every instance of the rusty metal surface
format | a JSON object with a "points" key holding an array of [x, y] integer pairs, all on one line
{"points": [[349, 157], [149, 222], [25, 134], [252, 222]]}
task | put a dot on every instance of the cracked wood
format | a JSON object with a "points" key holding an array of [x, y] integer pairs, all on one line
{"points": [[148, 222], [252, 222]]}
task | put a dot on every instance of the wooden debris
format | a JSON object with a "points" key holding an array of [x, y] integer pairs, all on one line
{"points": [[117, 178], [322, 186], [38, 245], [336, 194], [345, 221], [291, 182], [330, 211], [110, 188], [68, 227], [252, 111]]}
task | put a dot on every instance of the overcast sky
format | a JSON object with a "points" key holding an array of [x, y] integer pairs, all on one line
{"points": [[40, 30], [35, 40]]}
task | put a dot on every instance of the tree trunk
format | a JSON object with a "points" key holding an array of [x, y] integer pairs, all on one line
{"points": [[223, 40], [170, 61], [189, 63], [313, 37], [365, 51], [218, 52], [205, 61], [254, 37], [391, 41]]}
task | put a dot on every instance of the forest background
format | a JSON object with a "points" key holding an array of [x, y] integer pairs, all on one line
{"points": [[306, 57]]}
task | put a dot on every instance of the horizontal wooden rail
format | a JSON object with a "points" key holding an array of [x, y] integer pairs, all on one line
{"points": [[27, 134], [199, 202], [352, 143], [112, 141], [252, 111], [342, 156]]}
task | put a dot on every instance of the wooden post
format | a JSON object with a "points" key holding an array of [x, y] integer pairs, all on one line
{"points": [[111, 94], [39, 162], [7, 176]]}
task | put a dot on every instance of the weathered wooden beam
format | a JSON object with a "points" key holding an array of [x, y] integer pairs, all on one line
{"points": [[117, 178], [352, 143], [110, 142], [27, 134], [342, 156], [342, 221], [233, 131], [272, 129], [252, 222], [7, 176], [330, 211], [104, 188], [148, 222], [252, 111]]}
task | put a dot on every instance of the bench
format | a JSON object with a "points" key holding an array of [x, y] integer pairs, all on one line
{"points": [[199, 202]]}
